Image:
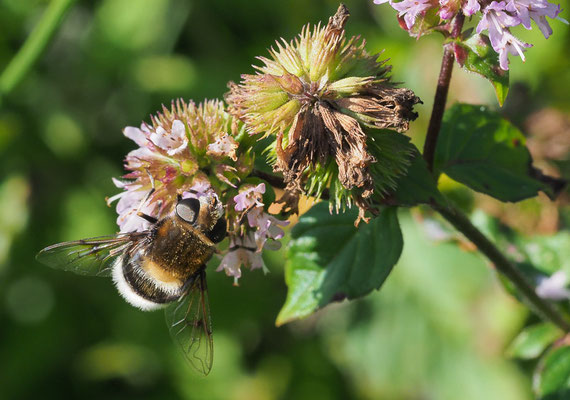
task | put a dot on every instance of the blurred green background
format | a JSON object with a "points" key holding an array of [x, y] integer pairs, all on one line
{"points": [[438, 328]]}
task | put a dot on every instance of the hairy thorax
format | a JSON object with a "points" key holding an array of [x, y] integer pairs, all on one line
{"points": [[178, 251]]}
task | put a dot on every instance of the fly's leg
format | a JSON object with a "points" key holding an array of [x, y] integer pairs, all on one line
{"points": [[152, 220]]}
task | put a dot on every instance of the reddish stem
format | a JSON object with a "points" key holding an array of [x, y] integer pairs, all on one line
{"points": [[441, 93]]}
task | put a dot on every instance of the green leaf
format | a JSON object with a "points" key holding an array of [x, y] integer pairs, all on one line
{"points": [[417, 186], [533, 340], [477, 55], [552, 380], [480, 149], [329, 259]]}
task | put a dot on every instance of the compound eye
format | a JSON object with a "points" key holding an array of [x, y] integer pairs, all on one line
{"points": [[188, 209]]}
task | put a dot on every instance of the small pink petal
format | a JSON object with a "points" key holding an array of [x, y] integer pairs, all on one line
{"points": [[136, 135], [249, 197], [224, 146]]}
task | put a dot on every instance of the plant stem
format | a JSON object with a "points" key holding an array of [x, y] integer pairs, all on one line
{"points": [[456, 217], [441, 93], [273, 180], [485, 246], [502, 264], [34, 46]]}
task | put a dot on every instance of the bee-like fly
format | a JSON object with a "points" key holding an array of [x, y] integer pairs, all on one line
{"points": [[162, 267]]}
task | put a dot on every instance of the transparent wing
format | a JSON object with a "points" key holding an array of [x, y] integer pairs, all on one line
{"points": [[90, 256], [190, 325]]}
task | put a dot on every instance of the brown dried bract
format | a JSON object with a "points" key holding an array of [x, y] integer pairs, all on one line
{"points": [[317, 95], [321, 130], [388, 106], [337, 21]]}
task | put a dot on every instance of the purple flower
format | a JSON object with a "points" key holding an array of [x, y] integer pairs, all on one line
{"points": [[156, 163], [448, 8], [241, 253], [247, 241], [471, 7], [139, 136], [200, 187], [267, 227], [497, 21], [410, 9], [536, 10], [224, 146], [128, 206], [172, 158], [174, 141], [190, 151], [250, 197], [510, 44], [497, 17]]}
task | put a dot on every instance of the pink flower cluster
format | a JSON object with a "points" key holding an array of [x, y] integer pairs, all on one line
{"points": [[247, 241], [155, 163], [191, 150], [497, 17]]}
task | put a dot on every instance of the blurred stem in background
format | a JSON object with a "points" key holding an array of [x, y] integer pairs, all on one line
{"points": [[503, 265], [34, 46]]}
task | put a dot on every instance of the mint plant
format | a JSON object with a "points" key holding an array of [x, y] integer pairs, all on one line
{"points": [[326, 117], [320, 117]]}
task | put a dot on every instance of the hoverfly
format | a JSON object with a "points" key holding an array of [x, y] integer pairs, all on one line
{"points": [[162, 267]]}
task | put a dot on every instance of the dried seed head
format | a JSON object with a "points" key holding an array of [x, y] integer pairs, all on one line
{"points": [[318, 95]]}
